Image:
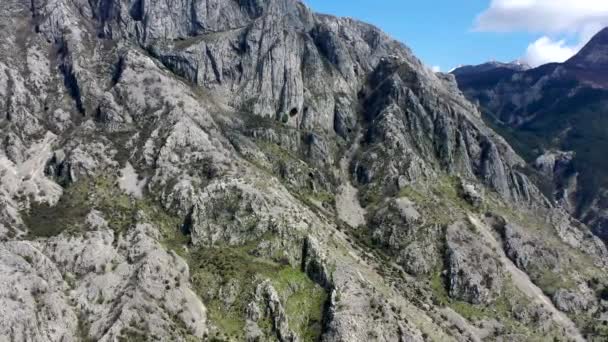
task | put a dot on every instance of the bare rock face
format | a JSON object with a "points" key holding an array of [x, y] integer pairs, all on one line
{"points": [[558, 167], [98, 287], [180, 171], [474, 275], [594, 53], [400, 228], [574, 302], [470, 194], [32, 284], [526, 251]]}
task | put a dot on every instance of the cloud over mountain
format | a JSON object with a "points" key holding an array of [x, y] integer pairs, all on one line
{"points": [[551, 18]]}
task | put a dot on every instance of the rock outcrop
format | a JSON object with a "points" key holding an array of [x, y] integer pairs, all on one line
{"points": [[474, 274], [252, 170], [97, 286]]}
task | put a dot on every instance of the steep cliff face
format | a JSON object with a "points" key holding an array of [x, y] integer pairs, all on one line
{"points": [[251, 170], [554, 116]]}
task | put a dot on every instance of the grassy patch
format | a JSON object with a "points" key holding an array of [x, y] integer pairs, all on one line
{"points": [[550, 281], [439, 203], [412, 194], [212, 269], [502, 309], [132, 335], [70, 212], [225, 267], [303, 302], [104, 195], [323, 197]]}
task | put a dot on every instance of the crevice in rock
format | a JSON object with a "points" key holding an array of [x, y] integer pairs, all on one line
{"points": [[99, 115], [254, 9], [313, 267], [179, 66], [119, 68], [34, 16], [59, 169], [186, 227], [195, 25], [9, 95], [70, 80], [216, 71], [103, 11], [317, 272], [138, 10]]}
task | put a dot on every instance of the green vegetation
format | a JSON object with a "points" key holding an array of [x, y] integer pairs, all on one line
{"points": [[234, 269], [303, 300], [285, 118], [550, 281], [412, 194], [102, 194], [285, 163], [212, 269], [502, 309], [70, 212], [440, 203], [594, 330], [132, 335]]}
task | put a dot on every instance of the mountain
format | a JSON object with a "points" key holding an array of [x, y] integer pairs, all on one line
{"points": [[253, 171], [554, 115], [594, 55], [487, 67]]}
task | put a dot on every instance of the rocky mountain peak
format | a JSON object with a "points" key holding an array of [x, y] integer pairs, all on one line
{"points": [[594, 55], [249, 170], [489, 66]]}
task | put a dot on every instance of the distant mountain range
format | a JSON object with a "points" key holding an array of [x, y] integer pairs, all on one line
{"points": [[489, 66], [556, 116]]}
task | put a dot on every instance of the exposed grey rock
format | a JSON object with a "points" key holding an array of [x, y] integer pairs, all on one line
{"points": [[558, 167], [526, 251], [401, 228], [471, 195], [573, 302], [240, 126], [315, 263], [475, 275], [272, 307], [96, 221], [109, 286], [33, 285]]}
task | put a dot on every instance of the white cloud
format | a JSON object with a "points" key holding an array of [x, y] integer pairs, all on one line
{"points": [[556, 16], [551, 18], [545, 50], [436, 68]]}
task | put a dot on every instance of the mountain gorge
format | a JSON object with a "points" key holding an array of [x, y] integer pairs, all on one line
{"points": [[249, 170], [554, 115]]}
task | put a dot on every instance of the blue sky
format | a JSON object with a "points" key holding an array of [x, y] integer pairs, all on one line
{"points": [[447, 33]]}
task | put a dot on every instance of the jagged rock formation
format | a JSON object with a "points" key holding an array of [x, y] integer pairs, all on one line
{"points": [[251, 170], [553, 116], [113, 283]]}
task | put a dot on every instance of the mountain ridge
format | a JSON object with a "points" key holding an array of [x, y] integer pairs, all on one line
{"points": [[593, 54], [189, 171], [541, 111]]}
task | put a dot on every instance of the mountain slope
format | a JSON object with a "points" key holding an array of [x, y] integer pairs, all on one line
{"points": [[251, 170], [593, 55], [554, 116]]}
